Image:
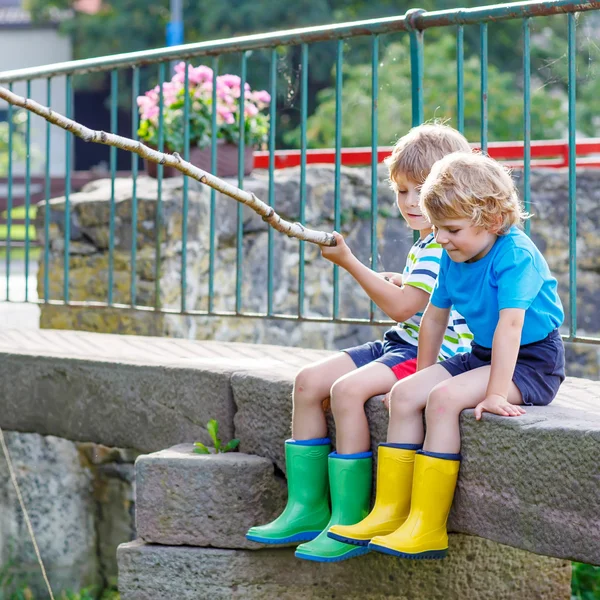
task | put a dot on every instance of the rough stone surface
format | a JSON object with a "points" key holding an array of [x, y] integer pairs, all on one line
{"points": [[80, 501], [125, 391], [56, 493], [192, 499], [475, 568], [541, 469]]}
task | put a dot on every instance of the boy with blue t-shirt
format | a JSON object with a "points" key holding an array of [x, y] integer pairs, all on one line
{"points": [[356, 374], [494, 275]]}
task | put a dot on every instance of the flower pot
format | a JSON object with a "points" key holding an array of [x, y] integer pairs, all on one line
{"points": [[227, 161]]}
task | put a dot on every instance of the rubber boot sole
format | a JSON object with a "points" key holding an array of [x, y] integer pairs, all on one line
{"points": [[347, 540], [358, 551], [428, 555], [305, 536]]}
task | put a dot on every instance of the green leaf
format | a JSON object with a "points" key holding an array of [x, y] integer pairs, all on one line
{"points": [[232, 445], [200, 448], [213, 430]]}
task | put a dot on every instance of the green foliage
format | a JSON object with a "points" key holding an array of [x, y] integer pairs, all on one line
{"points": [[213, 430], [440, 100], [585, 583], [18, 140]]}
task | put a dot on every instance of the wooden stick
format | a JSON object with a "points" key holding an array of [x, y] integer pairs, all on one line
{"points": [[268, 214]]}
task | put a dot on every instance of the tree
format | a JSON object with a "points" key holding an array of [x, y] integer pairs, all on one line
{"points": [[440, 101], [18, 141]]}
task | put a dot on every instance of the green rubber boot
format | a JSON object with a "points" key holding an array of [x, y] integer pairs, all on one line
{"points": [[350, 483], [307, 510]]}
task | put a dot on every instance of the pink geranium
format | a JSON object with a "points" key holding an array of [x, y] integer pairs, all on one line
{"points": [[200, 87]]}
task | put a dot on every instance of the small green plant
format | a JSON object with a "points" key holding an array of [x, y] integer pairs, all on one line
{"points": [[213, 430], [585, 584]]}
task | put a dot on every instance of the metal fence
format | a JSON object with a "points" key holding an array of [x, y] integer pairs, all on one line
{"points": [[413, 24]]}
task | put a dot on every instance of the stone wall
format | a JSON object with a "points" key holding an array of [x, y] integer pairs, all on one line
{"points": [[88, 258], [80, 501]]}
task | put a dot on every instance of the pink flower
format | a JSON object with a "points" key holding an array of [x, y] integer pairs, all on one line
{"points": [[225, 115], [231, 81], [262, 97], [251, 110]]}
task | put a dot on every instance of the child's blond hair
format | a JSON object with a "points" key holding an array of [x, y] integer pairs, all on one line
{"points": [[416, 152], [474, 187]]}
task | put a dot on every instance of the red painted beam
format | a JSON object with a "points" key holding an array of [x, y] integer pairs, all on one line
{"points": [[553, 153]]}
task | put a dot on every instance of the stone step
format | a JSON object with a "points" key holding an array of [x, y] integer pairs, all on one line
{"points": [[183, 498], [475, 568]]}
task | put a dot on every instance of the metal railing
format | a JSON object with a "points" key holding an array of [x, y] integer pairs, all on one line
{"points": [[413, 24]]}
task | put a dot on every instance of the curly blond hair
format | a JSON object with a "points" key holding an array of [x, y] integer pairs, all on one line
{"points": [[415, 153], [474, 187]]}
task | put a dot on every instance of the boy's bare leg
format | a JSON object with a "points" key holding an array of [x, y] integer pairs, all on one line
{"points": [[448, 399], [408, 399], [348, 397], [311, 387]]}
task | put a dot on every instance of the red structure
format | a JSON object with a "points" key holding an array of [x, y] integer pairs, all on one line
{"points": [[547, 153]]}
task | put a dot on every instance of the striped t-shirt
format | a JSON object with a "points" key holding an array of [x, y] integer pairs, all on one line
{"points": [[421, 271]]}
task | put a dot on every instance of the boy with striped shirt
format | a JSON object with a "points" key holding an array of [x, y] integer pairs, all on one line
{"points": [[356, 374]]}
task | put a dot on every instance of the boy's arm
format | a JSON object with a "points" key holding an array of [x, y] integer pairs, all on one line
{"points": [[431, 334], [398, 303], [505, 349]]}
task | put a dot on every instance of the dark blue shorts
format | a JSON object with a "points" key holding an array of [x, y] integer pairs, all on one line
{"points": [[393, 351], [539, 371]]}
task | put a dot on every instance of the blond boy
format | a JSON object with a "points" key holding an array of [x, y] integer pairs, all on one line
{"points": [[354, 375]]}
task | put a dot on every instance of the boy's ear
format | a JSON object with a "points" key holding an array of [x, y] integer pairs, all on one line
{"points": [[497, 225]]}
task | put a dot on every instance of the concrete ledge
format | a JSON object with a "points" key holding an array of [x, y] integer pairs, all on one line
{"points": [[183, 498], [125, 391], [531, 482], [483, 569]]}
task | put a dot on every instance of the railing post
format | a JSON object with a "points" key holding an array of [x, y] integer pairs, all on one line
{"points": [[416, 64]]}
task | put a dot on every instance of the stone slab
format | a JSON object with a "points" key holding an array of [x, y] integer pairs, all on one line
{"points": [[125, 391], [192, 499], [475, 568], [531, 482]]}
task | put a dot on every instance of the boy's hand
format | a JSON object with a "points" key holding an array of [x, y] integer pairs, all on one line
{"points": [[498, 405], [338, 254]]}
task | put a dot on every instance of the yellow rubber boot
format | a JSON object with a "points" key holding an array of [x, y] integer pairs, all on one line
{"points": [[424, 534], [392, 503]]}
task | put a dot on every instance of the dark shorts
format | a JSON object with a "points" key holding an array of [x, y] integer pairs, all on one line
{"points": [[393, 351], [539, 371]]}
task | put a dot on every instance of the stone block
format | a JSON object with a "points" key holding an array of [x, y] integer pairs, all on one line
{"points": [[475, 568], [113, 403], [192, 499]]}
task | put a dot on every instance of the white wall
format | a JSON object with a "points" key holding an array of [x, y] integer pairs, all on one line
{"points": [[26, 47]]}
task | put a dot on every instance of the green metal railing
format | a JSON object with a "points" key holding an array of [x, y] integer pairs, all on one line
{"points": [[413, 24]]}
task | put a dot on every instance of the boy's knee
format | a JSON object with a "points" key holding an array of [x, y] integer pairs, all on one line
{"points": [[400, 403], [304, 385], [344, 398], [439, 401]]}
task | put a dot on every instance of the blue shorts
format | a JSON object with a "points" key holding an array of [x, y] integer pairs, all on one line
{"points": [[539, 371], [393, 351]]}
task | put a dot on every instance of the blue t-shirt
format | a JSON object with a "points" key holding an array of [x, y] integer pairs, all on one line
{"points": [[513, 274]]}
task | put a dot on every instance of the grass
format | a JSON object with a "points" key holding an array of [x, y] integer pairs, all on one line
{"points": [[17, 231]]}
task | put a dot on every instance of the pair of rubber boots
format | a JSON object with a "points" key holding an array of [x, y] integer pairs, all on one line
{"points": [[312, 471], [395, 526], [415, 490]]}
